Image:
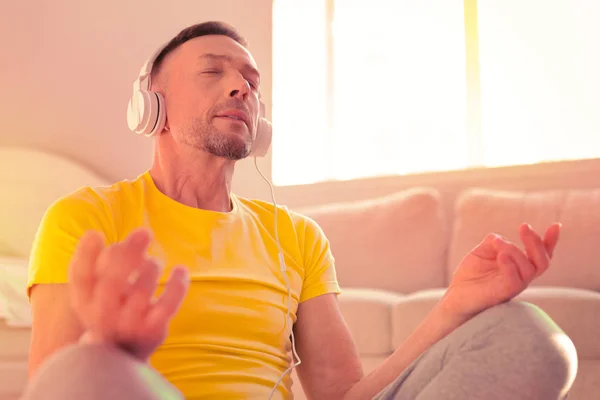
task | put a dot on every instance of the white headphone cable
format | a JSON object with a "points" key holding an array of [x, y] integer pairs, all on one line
{"points": [[282, 266]]}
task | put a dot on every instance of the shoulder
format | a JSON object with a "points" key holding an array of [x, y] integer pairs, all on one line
{"points": [[305, 229], [89, 207], [264, 209], [92, 198]]}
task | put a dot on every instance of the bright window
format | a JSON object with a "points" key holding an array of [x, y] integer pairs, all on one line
{"points": [[380, 87], [540, 80]]}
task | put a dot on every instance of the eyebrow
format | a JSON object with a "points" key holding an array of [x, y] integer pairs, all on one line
{"points": [[222, 57]]}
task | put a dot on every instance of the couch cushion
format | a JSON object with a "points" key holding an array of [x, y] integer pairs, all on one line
{"points": [[576, 261], [575, 311], [396, 243], [14, 304], [368, 314], [410, 311]]}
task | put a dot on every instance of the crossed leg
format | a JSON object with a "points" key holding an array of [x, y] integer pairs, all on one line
{"points": [[511, 351], [98, 372]]}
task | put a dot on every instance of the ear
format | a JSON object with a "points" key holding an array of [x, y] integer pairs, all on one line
{"points": [[166, 126]]}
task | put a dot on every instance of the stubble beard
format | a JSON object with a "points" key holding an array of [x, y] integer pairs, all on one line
{"points": [[204, 136]]}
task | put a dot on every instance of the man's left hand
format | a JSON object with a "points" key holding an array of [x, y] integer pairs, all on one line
{"points": [[497, 270]]}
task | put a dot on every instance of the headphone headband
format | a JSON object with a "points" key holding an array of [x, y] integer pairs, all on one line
{"points": [[145, 72]]}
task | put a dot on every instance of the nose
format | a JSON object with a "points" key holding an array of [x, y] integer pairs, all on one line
{"points": [[239, 88]]}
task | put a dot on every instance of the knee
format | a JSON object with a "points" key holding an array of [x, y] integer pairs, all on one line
{"points": [[96, 372], [75, 368], [84, 358], [538, 347]]}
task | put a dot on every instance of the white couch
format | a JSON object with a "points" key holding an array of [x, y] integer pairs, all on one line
{"points": [[395, 255]]}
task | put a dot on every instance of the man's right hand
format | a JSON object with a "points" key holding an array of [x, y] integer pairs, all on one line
{"points": [[112, 289]]}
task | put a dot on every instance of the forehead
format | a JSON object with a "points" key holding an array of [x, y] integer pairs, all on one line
{"points": [[194, 49]]}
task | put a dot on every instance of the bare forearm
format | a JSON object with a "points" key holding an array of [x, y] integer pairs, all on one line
{"points": [[438, 323]]}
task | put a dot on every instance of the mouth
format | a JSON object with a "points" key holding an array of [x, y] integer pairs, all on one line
{"points": [[235, 115]]}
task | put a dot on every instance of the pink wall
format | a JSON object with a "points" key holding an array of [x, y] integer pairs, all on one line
{"points": [[68, 66]]}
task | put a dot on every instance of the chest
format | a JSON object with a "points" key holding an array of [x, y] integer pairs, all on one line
{"points": [[238, 291]]}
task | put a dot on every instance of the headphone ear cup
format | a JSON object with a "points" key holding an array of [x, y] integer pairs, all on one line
{"points": [[134, 116], [262, 141], [264, 133], [146, 113]]}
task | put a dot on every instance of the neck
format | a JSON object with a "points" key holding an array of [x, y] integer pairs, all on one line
{"points": [[193, 177]]}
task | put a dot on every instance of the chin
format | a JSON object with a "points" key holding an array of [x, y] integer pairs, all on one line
{"points": [[230, 146], [239, 136]]}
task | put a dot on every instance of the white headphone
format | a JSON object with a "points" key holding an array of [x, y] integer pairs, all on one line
{"points": [[146, 113]]}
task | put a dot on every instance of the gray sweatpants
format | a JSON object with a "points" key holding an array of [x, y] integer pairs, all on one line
{"points": [[509, 352]]}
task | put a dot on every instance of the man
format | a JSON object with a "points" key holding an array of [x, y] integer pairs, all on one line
{"points": [[218, 327]]}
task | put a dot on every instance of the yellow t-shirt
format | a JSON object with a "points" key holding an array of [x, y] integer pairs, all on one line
{"points": [[228, 341]]}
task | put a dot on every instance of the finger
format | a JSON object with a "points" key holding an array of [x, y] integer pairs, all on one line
{"points": [[114, 267], [551, 238], [82, 268], [127, 254], [527, 271], [169, 301], [535, 248], [486, 249], [134, 309]]}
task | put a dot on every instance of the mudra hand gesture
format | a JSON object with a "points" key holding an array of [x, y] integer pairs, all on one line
{"points": [[112, 289], [497, 270]]}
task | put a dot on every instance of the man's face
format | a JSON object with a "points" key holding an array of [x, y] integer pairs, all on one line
{"points": [[211, 96]]}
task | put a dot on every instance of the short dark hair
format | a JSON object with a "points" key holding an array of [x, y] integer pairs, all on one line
{"points": [[194, 31]]}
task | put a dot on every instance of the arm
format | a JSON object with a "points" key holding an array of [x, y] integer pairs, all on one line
{"points": [[54, 323], [494, 272], [330, 362], [331, 367]]}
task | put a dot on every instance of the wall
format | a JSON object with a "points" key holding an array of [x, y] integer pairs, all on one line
{"points": [[66, 74], [68, 67]]}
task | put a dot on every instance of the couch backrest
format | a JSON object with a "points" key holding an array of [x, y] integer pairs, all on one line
{"points": [[397, 243], [576, 262]]}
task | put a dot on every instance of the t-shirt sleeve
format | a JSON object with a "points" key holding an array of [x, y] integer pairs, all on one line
{"points": [[319, 265], [61, 228]]}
